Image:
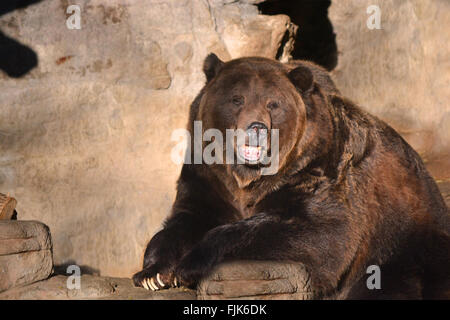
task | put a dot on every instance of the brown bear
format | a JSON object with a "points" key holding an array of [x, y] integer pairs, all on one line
{"points": [[348, 192]]}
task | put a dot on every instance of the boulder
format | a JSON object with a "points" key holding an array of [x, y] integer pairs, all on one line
{"points": [[25, 253]]}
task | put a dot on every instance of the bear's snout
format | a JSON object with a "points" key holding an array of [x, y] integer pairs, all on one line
{"points": [[257, 131], [257, 126]]}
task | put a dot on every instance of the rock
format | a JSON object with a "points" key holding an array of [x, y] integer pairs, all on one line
{"points": [[93, 287], [239, 34], [256, 280], [398, 72], [25, 253]]}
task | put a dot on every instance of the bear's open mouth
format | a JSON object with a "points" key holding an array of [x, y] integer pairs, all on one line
{"points": [[251, 154]]}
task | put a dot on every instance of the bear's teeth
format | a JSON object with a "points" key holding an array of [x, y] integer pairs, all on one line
{"points": [[250, 153]]}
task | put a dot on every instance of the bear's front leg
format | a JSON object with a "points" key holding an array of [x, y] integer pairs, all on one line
{"points": [[196, 210], [268, 237], [261, 237], [158, 266], [166, 248]]}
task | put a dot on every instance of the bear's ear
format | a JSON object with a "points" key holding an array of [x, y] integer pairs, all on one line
{"points": [[212, 66], [302, 78]]}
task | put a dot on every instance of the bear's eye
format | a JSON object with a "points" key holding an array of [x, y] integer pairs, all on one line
{"points": [[272, 105], [238, 100]]}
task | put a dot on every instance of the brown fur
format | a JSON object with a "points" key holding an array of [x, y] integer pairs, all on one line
{"points": [[349, 192]]}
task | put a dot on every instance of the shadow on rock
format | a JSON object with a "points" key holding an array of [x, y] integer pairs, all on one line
{"points": [[62, 269], [16, 59]]}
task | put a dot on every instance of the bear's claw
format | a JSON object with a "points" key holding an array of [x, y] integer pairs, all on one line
{"points": [[151, 284], [158, 278], [152, 280]]}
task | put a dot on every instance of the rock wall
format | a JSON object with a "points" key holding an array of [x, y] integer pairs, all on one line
{"points": [[85, 137], [400, 72]]}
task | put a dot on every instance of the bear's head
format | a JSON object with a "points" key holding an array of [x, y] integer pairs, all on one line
{"points": [[260, 97]]}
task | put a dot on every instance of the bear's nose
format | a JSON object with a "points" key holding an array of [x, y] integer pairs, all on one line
{"points": [[257, 133], [257, 126]]}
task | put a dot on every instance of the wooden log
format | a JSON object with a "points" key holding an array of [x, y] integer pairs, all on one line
{"points": [[7, 206]]}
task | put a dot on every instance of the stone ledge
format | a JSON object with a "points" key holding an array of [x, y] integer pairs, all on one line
{"points": [[93, 287], [256, 280]]}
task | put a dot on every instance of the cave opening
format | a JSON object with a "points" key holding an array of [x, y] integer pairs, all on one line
{"points": [[315, 39]]}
